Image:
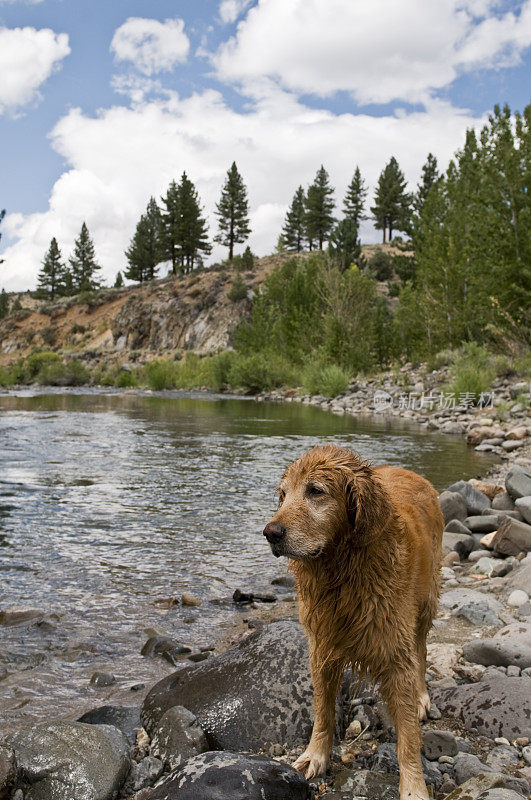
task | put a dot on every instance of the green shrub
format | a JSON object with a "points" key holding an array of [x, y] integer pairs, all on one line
{"points": [[125, 378], [73, 373], [326, 379], [49, 335], [238, 290], [472, 381], [441, 359], [36, 362], [219, 368], [261, 372], [160, 374], [381, 264]]}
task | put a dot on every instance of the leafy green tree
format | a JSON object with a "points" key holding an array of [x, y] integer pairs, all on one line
{"points": [[392, 204], [232, 212], [344, 244], [119, 282], [355, 197], [83, 263], [51, 279], [144, 252], [294, 230], [319, 208], [429, 176], [4, 304], [348, 301]]}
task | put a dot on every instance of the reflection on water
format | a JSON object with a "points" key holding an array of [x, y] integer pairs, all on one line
{"points": [[109, 503]]}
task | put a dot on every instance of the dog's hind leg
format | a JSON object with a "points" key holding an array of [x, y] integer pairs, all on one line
{"points": [[425, 619], [325, 678], [398, 685]]}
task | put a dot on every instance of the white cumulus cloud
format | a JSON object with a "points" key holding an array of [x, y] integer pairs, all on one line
{"points": [[378, 51], [120, 157], [151, 46], [27, 59], [230, 10]]}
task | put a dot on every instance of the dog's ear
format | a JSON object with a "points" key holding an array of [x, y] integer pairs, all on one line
{"points": [[369, 508]]}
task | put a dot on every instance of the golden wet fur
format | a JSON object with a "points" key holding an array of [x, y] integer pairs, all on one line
{"points": [[365, 548]]}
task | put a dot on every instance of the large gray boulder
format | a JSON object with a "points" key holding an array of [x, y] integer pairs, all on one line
{"points": [[494, 708], [8, 771], [523, 505], [476, 501], [177, 737], [498, 653], [232, 776], [66, 760], [512, 537], [257, 691], [453, 506], [518, 482], [125, 718], [457, 599], [520, 578]]}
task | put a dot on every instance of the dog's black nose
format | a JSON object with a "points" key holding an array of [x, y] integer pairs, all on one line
{"points": [[274, 532]]}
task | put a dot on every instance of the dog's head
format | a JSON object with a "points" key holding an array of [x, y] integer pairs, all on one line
{"points": [[328, 493]]}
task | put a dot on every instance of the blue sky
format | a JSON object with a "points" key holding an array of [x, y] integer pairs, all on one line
{"points": [[90, 129]]}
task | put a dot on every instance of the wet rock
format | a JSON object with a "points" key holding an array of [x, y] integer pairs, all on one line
{"points": [[287, 581], [500, 794], [502, 756], [453, 506], [468, 766], [523, 506], [251, 597], [256, 691], [143, 774], [233, 776], [475, 500], [517, 598], [64, 760], [498, 653], [177, 737], [166, 647], [18, 615], [102, 679], [518, 482], [366, 783], [8, 771], [512, 537], [439, 743], [461, 543], [496, 707], [125, 718], [385, 760], [188, 599]]}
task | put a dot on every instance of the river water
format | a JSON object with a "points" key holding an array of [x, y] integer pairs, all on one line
{"points": [[110, 503]]}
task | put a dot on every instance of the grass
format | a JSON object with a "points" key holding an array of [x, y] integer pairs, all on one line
{"points": [[326, 379]]}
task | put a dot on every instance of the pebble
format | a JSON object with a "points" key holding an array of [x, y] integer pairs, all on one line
{"points": [[517, 598], [501, 740], [354, 729], [102, 679], [526, 754], [188, 599]]}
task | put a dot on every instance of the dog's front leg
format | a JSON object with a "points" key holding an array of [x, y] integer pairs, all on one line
{"points": [[326, 678], [399, 689]]}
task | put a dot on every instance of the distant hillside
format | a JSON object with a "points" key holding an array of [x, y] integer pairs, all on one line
{"points": [[189, 312]]}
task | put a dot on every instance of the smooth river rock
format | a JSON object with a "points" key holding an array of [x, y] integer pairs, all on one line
{"points": [[125, 718], [453, 506], [232, 776], [498, 653], [476, 501], [67, 760], [518, 482], [495, 707], [257, 691], [177, 737]]}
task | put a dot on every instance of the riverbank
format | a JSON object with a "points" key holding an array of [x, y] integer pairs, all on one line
{"points": [[481, 623]]}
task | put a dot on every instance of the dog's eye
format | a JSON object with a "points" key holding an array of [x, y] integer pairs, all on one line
{"points": [[314, 491]]}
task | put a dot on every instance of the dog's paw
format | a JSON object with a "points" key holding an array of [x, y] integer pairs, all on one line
{"points": [[312, 763], [423, 706]]}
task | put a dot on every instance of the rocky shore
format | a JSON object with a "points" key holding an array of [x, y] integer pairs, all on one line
{"points": [[230, 726]]}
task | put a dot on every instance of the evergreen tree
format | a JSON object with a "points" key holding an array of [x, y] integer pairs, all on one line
{"points": [[171, 227], [391, 208], [194, 228], [83, 263], [52, 275], [355, 198], [144, 252], [233, 212], [430, 174], [4, 304], [319, 207], [294, 230], [344, 244], [2, 215], [119, 282]]}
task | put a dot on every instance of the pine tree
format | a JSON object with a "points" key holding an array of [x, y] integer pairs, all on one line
{"points": [[319, 207], [83, 263], [171, 227], [193, 228], [4, 304], [294, 230], [144, 252], [233, 212], [355, 198], [52, 275], [391, 208], [430, 174], [344, 244]]}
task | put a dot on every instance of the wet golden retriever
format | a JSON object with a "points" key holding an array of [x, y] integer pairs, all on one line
{"points": [[365, 548]]}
